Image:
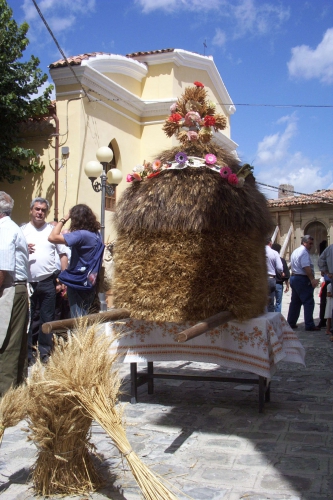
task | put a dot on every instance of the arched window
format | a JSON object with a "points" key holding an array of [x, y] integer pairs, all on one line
{"points": [[318, 231], [110, 201]]}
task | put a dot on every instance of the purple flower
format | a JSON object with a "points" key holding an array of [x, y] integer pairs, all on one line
{"points": [[225, 172], [181, 157]]}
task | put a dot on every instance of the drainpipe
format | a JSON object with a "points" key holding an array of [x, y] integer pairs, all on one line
{"points": [[56, 168]]}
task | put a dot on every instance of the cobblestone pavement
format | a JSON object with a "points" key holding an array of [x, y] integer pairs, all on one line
{"points": [[209, 440]]}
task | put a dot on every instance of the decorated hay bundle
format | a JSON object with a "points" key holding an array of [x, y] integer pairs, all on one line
{"points": [[191, 236]]}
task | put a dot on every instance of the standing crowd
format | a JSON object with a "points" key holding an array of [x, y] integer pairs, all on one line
{"points": [[37, 260]]}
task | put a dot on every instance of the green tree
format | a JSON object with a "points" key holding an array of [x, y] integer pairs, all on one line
{"points": [[19, 83]]}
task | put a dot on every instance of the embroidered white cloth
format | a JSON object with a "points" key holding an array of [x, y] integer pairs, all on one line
{"points": [[254, 346]]}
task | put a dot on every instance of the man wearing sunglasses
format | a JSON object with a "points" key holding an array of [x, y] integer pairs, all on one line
{"points": [[42, 274]]}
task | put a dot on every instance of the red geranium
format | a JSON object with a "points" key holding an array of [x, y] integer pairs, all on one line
{"points": [[175, 117], [209, 121], [199, 84]]}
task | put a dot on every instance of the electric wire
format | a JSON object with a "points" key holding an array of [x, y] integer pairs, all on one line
{"points": [[324, 199], [59, 48]]}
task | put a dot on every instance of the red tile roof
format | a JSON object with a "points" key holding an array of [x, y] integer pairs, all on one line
{"points": [[320, 196], [76, 60], [149, 53]]}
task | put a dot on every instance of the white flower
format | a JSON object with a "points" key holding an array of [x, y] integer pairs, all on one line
{"points": [[138, 168]]}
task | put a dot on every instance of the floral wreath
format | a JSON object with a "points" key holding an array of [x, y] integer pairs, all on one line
{"points": [[193, 118], [150, 170]]}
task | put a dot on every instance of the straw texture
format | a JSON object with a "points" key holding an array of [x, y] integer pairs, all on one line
{"points": [[13, 408], [84, 371]]}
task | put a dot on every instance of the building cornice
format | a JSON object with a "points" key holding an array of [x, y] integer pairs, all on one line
{"points": [[181, 57]]}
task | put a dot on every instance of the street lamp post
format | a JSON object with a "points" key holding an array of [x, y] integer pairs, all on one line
{"points": [[109, 182]]}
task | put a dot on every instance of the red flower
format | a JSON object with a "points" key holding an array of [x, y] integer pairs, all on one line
{"points": [[154, 174], [175, 117], [209, 121], [199, 84], [233, 179]]}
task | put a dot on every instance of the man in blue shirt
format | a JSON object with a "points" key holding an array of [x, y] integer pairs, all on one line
{"points": [[302, 283]]}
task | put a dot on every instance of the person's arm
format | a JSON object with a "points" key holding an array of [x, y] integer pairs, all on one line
{"points": [[322, 262], [2, 279], [63, 261], [55, 235], [309, 274]]}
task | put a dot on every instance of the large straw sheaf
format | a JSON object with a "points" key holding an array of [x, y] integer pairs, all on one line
{"points": [[61, 433], [190, 245], [83, 372]]}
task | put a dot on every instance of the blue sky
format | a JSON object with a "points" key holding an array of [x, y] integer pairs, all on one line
{"points": [[270, 52]]}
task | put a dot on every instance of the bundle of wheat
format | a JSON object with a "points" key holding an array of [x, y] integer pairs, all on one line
{"points": [[13, 408], [83, 373], [61, 433]]}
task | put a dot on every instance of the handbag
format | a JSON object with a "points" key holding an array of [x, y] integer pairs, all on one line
{"points": [[84, 275]]}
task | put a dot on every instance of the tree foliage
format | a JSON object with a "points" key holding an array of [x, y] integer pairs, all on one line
{"points": [[19, 83]]}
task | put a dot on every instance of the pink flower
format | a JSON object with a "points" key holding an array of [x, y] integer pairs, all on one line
{"points": [[173, 108], [233, 179], [129, 178], [192, 117], [136, 176], [192, 135], [156, 164], [225, 172], [210, 159]]}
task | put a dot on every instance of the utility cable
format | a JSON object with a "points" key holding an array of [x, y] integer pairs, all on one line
{"points": [[325, 199], [59, 48]]}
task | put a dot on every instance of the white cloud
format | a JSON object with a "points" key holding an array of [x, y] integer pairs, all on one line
{"points": [[244, 16], [277, 164], [310, 63], [258, 18], [173, 5], [219, 38], [59, 14]]}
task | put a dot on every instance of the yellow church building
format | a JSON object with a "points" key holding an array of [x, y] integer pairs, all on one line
{"points": [[110, 100]]}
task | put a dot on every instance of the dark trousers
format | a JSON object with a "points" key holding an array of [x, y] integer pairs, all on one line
{"points": [[322, 307], [43, 300], [271, 294], [13, 353], [301, 295]]}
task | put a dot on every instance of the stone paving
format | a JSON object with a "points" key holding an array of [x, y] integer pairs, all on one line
{"points": [[208, 439]]}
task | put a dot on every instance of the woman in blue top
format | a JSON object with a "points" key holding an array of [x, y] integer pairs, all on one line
{"points": [[86, 249]]}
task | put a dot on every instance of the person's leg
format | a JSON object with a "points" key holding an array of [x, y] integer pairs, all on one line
{"points": [[271, 294], [295, 302], [323, 296], [13, 353], [47, 299], [32, 337], [328, 326], [306, 296], [80, 301], [278, 297]]}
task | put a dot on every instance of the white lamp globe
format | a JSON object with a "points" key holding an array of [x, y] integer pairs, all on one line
{"points": [[104, 154], [114, 176], [93, 169]]}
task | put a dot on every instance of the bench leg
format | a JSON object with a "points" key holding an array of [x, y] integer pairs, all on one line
{"points": [[262, 383], [150, 371], [134, 383], [268, 392]]}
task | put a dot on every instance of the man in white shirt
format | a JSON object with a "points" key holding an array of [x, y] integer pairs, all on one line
{"points": [[42, 274], [274, 264], [302, 283], [14, 305]]}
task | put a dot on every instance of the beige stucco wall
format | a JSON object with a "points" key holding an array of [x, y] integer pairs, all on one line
{"points": [[86, 125]]}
